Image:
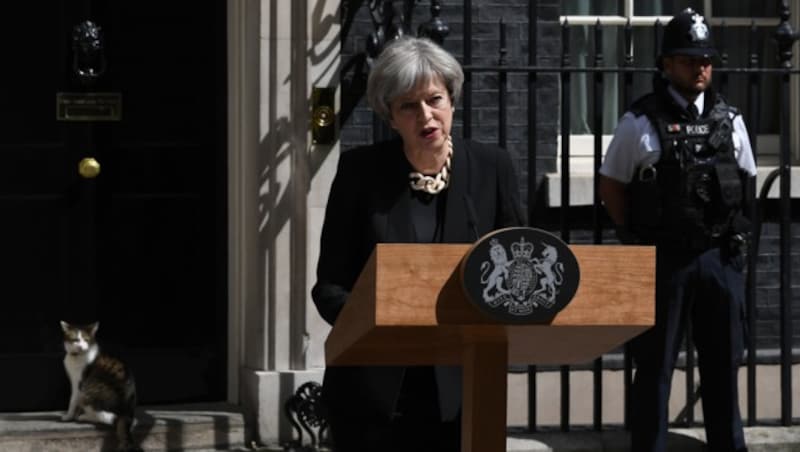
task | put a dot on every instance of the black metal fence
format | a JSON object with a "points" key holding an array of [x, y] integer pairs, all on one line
{"points": [[388, 22]]}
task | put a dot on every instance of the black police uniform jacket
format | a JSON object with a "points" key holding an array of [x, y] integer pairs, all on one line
{"points": [[692, 197], [369, 203]]}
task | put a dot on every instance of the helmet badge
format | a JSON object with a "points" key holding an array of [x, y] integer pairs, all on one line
{"points": [[698, 31]]}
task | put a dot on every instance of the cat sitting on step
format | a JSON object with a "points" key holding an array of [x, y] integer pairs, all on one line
{"points": [[103, 389]]}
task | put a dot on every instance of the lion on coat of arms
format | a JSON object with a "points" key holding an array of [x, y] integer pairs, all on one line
{"points": [[551, 273], [499, 273]]}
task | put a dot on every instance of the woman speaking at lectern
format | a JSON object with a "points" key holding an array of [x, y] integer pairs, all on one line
{"points": [[425, 186]]}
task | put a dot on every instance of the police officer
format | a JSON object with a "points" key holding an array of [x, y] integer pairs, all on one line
{"points": [[673, 176]]}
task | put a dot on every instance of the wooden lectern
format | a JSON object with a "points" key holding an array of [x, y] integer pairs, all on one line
{"points": [[408, 308]]}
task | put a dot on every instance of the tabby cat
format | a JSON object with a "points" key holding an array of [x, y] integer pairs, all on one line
{"points": [[103, 389]]}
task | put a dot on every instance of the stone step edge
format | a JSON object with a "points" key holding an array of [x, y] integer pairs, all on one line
{"points": [[225, 421]]}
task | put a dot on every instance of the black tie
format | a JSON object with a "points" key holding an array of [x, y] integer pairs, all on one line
{"points": [[692, 109]]}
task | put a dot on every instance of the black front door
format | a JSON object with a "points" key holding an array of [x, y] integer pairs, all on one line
{"points": [[112, 194]]}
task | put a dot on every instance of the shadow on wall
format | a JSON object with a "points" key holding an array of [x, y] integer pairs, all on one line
{"points": [[286, 168], [284, 135], [283, 149]]}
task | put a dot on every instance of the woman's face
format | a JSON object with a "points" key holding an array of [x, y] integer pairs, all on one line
{"points": [[423, 116]]}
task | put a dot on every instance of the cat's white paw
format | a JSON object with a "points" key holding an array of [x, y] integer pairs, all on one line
{"points": [[67, 417]]}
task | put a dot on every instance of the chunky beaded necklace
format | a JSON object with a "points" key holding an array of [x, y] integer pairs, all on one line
{"points": [[437, 183]]}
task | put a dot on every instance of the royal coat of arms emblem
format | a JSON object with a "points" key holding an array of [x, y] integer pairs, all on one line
{"points": [[530, 274]]}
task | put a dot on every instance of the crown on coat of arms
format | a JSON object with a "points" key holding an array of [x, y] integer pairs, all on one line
{"points": [[522, 249]]}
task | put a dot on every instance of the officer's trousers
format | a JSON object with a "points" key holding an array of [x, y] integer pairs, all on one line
{"points": [[709, 289]]}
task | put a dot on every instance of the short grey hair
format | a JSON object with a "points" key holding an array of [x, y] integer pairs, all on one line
{"points": [[405, 63]]}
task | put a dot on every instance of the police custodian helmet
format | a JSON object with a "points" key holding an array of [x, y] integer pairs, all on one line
{"points": [[688, 34]]}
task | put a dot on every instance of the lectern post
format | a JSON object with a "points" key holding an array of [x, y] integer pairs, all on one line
{"points": [[485, 373]]}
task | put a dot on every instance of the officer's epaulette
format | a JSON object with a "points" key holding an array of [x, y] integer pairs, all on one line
{"points": [[722, 104]]}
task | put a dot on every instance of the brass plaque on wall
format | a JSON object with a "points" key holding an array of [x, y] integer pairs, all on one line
{"points": [[88, 106]]}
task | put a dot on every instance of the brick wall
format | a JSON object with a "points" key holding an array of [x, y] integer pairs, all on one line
{"points": [[768, 283]]}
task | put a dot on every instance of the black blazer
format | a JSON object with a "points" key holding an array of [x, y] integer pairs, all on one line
{"points": [[369, 203]]}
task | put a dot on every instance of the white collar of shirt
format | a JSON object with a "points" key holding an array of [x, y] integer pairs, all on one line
{"points": [[699, 102]]}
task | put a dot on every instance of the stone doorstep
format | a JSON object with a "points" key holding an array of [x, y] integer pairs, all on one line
{"points": [[195, 427], [758, 439]]}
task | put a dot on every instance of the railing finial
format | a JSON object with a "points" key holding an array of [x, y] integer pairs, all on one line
{"points": [[436, 29], [785, 36]]}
